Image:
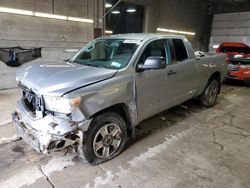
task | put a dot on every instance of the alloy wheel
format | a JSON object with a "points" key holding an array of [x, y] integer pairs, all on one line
{"points": [[107, 140]]}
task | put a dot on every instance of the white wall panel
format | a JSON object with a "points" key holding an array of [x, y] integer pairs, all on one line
{"points": [[220, 32], [237, 24], [248, 31], [237, 32], [230, 27], [218, 39], [220, 24]]}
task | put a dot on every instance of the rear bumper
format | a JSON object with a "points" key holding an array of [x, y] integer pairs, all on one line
{"points": [[49, 133]]}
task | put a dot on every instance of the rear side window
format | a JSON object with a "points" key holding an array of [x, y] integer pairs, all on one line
{"points": [[180, 50]]}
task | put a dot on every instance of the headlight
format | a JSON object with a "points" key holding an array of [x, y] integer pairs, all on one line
{"points": [[61, 104], [246, 72], [245, 66]]}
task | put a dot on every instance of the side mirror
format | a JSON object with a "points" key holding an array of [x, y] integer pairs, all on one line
{"points": [[153, 62], [199, 55]]}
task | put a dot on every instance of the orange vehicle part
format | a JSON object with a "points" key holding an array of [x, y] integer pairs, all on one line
{"points": [[238, 59]]}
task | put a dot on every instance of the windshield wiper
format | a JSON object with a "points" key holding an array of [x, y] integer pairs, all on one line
{"points": [[68, 60], [93, 65], [102, 59]]}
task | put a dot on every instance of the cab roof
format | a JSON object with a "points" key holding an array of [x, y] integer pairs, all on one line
{"points": [[142, 36]]}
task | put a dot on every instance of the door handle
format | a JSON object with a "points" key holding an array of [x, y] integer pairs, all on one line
{"points": [[172, 73]]}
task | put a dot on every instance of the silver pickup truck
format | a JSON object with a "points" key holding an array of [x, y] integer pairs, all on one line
{"points": [[94, 100]]}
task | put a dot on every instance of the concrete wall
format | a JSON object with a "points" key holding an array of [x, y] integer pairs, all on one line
{"points": [[177, 15], [53, 35], [183, 16], [238, 6], [151, 14]]}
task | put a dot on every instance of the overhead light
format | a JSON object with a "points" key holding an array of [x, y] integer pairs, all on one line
{"points": [[71, 50], [116, 12], [43, 15], [54, 16], [16, 11], [108, 5], [131, 10], [176, 31], [108, 32], [80, 19], [215, 46]]}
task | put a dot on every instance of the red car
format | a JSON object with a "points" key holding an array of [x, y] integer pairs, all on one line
{"points": [[238, 58]]}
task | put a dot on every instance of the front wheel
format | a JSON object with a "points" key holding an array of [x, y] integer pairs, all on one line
{"points": [[106, 138], [210, 94]]}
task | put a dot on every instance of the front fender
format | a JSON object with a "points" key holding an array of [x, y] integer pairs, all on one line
{"points": [[117, 90]]}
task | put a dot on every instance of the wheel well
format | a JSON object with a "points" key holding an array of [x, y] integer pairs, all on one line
{"points": [[216, 76], [123, 111]]}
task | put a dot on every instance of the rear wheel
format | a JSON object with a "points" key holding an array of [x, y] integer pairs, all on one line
{"points": [[210, 94], [106, 138]]}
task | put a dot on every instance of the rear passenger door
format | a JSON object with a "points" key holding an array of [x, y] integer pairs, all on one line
{"points": [[183, 70]]}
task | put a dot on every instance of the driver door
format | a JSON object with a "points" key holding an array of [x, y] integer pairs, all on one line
{"points": [[154, 89]]}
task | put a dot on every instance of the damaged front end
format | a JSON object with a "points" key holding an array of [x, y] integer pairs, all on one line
{"points": [[239, 68], [46, 131]]}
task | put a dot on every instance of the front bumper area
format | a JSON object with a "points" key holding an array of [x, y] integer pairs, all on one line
{"points": [[44, 142], [47, 134], [238, 73], [239, 77]]}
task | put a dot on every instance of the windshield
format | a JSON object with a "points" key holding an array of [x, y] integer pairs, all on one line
{"points": [[107, 53], [231, 49]]}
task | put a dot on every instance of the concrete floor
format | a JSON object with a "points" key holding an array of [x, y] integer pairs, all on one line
{"points": [[187, 146]]}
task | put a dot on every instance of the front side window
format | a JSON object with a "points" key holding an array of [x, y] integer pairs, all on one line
{"points": [[107, 53], [155, 48], [180, 50]]}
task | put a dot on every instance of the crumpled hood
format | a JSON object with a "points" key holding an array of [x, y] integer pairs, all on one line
{"points": [[57, 78]]}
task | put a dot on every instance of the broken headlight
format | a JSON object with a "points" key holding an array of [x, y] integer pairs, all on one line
{"points": [[61, 104]]}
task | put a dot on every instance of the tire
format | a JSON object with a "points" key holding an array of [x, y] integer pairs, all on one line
{"points": [[107, 130], [210, 94]]}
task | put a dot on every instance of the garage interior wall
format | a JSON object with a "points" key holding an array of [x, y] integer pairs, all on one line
{"points": [[230, 27], [177, 15], [53, 35], [183, 16], [56, 35]]}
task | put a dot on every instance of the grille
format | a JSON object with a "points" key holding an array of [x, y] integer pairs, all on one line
{"points": [[233, 68], [32, 101], [240, 61]]}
